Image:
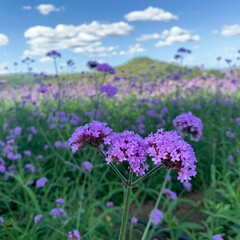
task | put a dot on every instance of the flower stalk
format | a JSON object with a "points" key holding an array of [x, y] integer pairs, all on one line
{"points": [[127, 201]]}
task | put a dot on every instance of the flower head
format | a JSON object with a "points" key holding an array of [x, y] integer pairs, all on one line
{"points": [[109, 90], [92, 64], [86, 165], [157, 216], [134, 220], [41, 182], [169, 149], [53, 54], [37, 218], [75, 235], [187, 123], [127, 147], [172, 195], [58, 213], [1, 220], [217, 237], [110, 204], [60, 202], [105, 68], [187, 186], [92, 134], [30, 167]]}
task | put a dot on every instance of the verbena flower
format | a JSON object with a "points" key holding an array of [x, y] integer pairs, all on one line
{"points": [[157, 216], [92, 64], [58, 213], [109, 204], [86, 165], [187, 186], [172, 195], [127, 147], [1, 220], [27, 153], [169, 149], [60, 202], [37, 218], [30, 167], [134, 220], [92, 134], [187, 123], [2, 166], [105, 68], [74, 235], [53, 54], [41, 182], [109, 90], [217, 237]]}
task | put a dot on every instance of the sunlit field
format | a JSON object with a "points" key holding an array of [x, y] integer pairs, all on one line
{"points": [[146, 150]]}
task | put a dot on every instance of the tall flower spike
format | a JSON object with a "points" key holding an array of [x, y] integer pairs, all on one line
{"points": [[127, 147], [169, 149], [187, 123], [92, 134]]}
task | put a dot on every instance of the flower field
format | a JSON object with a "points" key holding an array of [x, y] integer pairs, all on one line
{"points": [[137, 152]]}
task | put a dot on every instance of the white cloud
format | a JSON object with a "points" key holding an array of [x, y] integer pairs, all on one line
{"points": [[96, 49], [151, 14], [45, 59], [230, 30], [176, 34], [146, 37], [43, 39], [26, 8], [45, 9], [3, 39], [133, 49]]}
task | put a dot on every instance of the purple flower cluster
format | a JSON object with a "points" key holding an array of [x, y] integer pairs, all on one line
{"points": [[38, 218], [187, 123], [172, 195], [87, 166], [92, 134], [127, 147], [75, 235], [217, 237], [101, 67], [41, 182], [169, 149], [58, 213], [157, 216], [92, 64], [109, 90], [105, 68], [53, 54]]}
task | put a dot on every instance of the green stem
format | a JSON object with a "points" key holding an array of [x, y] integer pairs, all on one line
{"points": [[156, 205], [146, 175], [127, 201], [124, 180]]}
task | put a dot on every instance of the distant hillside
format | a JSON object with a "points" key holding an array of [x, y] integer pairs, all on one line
{"points": [[145, 65]]}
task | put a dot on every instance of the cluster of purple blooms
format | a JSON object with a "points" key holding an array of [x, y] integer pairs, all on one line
{"points": [[75, 235], [109, 90], [166, 148], [101, 67], [53, 54], [169, 149], [187, 123], [92, 134], [127, 147]]}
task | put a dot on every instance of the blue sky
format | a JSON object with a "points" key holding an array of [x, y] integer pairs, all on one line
{"points": [[115, 31]]}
